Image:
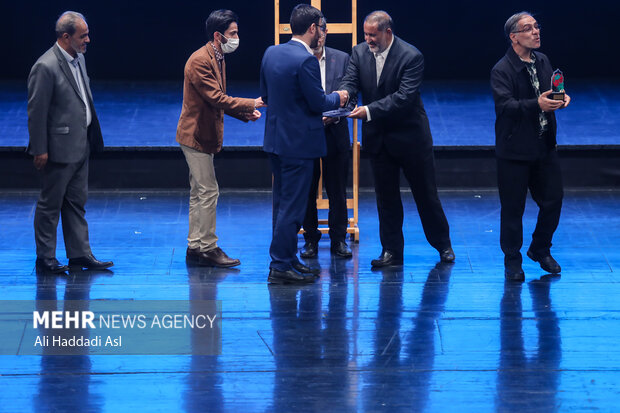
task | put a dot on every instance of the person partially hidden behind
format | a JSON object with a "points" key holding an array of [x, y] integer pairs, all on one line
{"points": [[525, 145], [63, 129], [388, 72], [201, 129], [333, 64]]}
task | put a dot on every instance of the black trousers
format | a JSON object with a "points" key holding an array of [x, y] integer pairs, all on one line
{"points": [[335, 173], [544, 180], [419, 170], [63, 194]]}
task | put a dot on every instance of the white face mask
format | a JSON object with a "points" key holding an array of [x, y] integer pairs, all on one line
{"points": [[230, 45]]}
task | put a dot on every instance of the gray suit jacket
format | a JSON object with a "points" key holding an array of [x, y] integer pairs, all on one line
{"points": [[56, 111]]}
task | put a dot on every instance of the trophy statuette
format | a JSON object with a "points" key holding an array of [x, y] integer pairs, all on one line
{"points": [[557, 85]]}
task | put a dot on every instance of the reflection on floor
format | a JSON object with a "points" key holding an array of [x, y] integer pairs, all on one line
{"points": [[461, 113], [423, 337]]}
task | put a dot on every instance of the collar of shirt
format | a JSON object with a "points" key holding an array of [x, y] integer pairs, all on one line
{"points": [[218, 56], [67, 56], [532, 59], [305, 45], [386, 51]]}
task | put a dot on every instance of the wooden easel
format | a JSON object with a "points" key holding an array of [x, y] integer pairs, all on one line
{"points": [[322, 203]]}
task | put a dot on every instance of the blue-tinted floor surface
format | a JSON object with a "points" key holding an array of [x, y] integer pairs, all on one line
{"points": [[426, 337], [461, 113]]}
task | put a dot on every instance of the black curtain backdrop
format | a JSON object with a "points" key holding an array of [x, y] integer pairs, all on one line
{"points": [[151, 40]]}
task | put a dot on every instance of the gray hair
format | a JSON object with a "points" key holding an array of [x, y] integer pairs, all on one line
{"points": [[511, 24], [67, 22], [383, 20]]}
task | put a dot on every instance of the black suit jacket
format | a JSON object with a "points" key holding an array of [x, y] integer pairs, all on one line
{"points": [[337, 134], [398, 117], [516, 106]]}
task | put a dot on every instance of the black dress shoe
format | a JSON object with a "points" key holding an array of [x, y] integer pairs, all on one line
{"points": [[89, 262], [309, 250], [447, 255], [50, 265], [289, 277], [386, 259], [546, 262], [217, 258], [341, 249], [304, 269], [514, 274]]}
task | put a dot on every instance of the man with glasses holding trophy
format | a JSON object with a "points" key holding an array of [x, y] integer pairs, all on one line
{"points": [[525, 131]]}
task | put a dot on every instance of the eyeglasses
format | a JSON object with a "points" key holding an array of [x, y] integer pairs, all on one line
{"points": [[323, 28], [528, 28]]}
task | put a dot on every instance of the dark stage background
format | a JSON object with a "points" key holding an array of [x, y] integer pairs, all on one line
{"points": [[151, 40]]}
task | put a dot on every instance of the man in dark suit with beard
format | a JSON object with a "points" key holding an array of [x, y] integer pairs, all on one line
{"points": [[388, 72]]}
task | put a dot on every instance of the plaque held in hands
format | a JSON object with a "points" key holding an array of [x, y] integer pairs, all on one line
{"points": [[557, 85]]}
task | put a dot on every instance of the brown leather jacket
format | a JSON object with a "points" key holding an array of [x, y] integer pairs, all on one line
{"points": [[201, 125]]}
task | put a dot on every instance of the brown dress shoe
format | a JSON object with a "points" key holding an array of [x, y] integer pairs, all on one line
{"points": [[192, 254], [217, 258]]}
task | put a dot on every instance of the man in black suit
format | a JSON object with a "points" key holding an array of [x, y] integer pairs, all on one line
{"points": [[64, 129], [525, 145], [388, 72], [333, 64]]}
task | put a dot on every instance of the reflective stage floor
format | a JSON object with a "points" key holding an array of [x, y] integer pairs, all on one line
{"points": [[425, 337]]}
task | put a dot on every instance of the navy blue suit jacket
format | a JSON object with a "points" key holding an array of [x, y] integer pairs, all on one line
{"points": [[290, 81]]}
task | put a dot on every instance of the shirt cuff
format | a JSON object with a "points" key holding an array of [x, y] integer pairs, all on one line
{"points": [[368, 119]]}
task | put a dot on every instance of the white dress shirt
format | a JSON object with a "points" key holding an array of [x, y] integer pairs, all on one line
{"points": [[77, 75], [305, 45], [322, 66], [380, 62]]}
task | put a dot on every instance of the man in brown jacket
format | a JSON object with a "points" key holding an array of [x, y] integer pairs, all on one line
{"points": [[200, 132]]}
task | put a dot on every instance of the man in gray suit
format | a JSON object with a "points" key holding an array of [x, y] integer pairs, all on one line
{"points": [[63, 128]]}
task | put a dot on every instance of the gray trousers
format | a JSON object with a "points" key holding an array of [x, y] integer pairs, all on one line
{"points": [[203, 196], [63, 194]]}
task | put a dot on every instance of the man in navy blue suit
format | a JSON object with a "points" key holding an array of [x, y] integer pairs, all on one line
{"points": [[333, 64], [294, 136]]}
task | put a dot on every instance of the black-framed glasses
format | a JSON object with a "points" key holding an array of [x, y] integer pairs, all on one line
{"points": [[528, 28]]}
